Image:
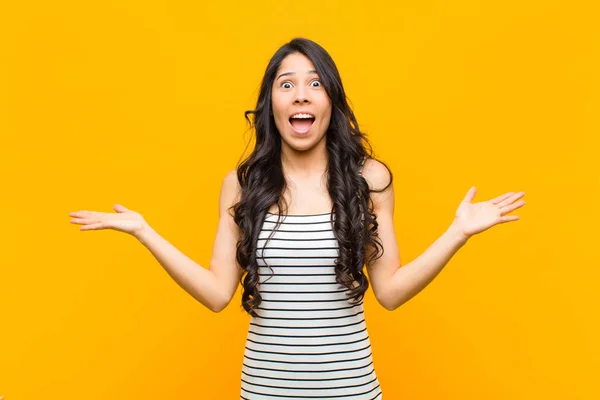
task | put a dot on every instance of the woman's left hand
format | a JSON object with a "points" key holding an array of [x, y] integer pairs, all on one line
{"points": [[473, 218]]}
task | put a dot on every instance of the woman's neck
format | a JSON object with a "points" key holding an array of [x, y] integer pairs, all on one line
{"points": [[305, 165]]}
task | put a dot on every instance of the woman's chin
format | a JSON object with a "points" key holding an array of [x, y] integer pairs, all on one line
{"points": [[302, 142]]}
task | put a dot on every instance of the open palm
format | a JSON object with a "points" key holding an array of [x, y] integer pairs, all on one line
{"points": [[473, 218], [124, 220]]}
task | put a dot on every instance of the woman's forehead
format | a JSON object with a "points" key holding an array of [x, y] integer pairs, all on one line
{"points": [[297, 63]]}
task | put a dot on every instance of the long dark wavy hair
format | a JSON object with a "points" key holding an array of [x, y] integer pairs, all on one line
{"points": [[263, 184]]}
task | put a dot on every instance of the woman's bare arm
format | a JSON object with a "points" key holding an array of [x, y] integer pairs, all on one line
{"points": [[395, 284], [213, 287]]}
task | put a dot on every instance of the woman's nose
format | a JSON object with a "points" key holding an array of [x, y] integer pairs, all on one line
{"points": [[301, 99], [301, 96]]}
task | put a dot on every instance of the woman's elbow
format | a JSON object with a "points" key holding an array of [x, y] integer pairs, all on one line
{"points": [[216, 308], [388, 306], [387, 303], [219, 305]]}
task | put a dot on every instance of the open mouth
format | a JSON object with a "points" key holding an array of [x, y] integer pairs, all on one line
{"points": [[301, 124]]}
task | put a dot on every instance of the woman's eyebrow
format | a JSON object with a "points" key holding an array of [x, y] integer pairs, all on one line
{"points": [[312, 71]]}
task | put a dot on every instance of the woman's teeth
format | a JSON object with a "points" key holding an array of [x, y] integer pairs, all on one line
{"points": [[301, 116], [301, 123]]}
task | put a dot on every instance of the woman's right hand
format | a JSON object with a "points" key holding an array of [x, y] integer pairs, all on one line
{"points": [[124, 220]]}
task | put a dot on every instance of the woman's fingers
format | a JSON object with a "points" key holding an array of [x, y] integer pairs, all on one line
{"points": [[124, 220], [88, 214], [99, 225], [82, 213], [501, 197], [512, 207], [81, 221], [120, 208], [88, 219], [506, 198], [510, 199], [87, 224]]}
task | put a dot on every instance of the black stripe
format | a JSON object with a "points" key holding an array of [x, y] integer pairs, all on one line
{"points": [[297, 240], [301, 215], [296, 257], [310, 309], [311, 318], [268, 276], [304, 388], [311, 397], [329, 353], [310, 371], [302, 301], [301, 248], [307, 362], [298, 223], [299, 283], [308, 345], [311, 292], [296, 266], [309, 231], [308, 379], [309, 336], [308, 327]]}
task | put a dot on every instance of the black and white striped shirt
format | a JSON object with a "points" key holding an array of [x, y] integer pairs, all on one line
{"points": [[309, 341]]}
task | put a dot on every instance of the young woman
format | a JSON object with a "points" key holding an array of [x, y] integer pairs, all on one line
{"points": [[299, 219]]}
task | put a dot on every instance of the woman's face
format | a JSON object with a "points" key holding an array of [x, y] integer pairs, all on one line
{"points": [[301, 106]]}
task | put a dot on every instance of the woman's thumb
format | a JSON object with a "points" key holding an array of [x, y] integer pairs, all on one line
{"points": [[117, 208]]}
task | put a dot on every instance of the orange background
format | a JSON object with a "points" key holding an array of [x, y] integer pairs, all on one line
{"points": [[141, 103]]}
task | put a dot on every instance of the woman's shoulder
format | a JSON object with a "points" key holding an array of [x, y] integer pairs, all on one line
{"points": [[230, 181], [230, 191], [377, 174]]}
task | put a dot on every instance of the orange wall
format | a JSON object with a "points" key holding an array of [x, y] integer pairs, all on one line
{"points": [[141, 103]]}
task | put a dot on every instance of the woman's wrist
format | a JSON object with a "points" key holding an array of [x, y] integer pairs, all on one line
{"points": [[144, 234], [454, 231]]}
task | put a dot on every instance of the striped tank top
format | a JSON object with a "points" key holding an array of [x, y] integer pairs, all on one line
{"points": [[308, 341]]}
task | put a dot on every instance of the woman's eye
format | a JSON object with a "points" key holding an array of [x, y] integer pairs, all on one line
{"points": [[288, 85]]}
